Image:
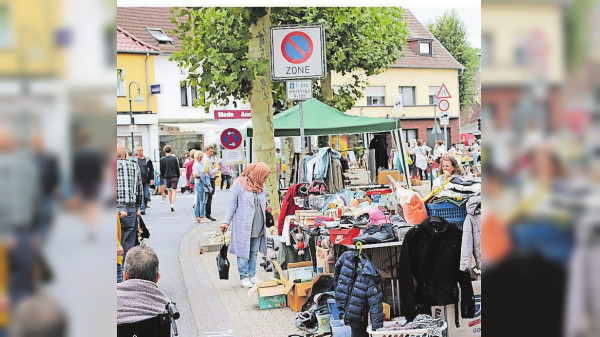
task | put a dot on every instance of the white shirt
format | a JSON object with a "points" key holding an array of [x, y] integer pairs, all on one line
{"points": [[420, 153]]}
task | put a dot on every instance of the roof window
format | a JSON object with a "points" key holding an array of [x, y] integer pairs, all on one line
{"points": [[159, 35]]}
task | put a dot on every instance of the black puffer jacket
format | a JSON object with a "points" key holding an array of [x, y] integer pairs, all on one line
{"points": [[431, 256], [357, 291]]}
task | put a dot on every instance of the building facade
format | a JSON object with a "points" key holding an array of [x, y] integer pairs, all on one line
{"points": [[414, 80]]}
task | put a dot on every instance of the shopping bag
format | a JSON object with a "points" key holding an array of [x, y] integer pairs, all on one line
{"points": [[223, 263]]}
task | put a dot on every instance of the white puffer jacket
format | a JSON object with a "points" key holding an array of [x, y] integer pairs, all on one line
{"points": [[471, 240]]}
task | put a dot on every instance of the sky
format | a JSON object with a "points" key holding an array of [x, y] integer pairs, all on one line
{"points": [[471, 16]]}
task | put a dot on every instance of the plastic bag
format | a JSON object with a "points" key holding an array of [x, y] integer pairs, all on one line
{"points": [[223, 263], [413, 208]]}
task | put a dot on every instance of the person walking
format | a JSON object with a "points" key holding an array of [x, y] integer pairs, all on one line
{"points": [[197, 172], [226, 171], [147, 172], [211, 169], [246, 214], [188, 171], [421, 152], [169, 172], [130, 195]]}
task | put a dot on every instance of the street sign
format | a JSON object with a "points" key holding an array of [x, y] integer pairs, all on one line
{"points": [[397, 104], [444, 105], [443, 92], [233, 114], [297, 52], [133, 127], [231, 138], [231, 157], [444, 120], [298, 90], [155, 89], [436, 129]]}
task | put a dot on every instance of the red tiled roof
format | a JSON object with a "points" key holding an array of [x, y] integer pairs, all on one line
{"points": [[440, 58], [137, 19], [126, 42]]}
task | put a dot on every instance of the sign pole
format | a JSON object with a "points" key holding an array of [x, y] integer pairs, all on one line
{"points": [[301, 129], [445, 136], [435, 121]]}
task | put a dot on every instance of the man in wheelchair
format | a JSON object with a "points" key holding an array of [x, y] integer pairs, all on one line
{"points": [[142, 308]]}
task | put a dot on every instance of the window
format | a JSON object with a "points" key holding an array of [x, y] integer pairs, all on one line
{"points": [[408, 95], [409, 135], [120, 83], [193, 94], [126, 142], [5, 27], [432, 93], [487, 49], [425, 48], [159, 35], [184, 98], [375, 96]]}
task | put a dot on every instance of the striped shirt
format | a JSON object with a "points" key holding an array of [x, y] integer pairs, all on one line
{"points": [[129, 183]]}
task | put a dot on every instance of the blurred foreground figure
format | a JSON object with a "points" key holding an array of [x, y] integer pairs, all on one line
{"points": [[39, 316]]}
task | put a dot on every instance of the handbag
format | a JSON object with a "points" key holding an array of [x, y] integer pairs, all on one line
{"points": [[270, 221], [223, 262]]}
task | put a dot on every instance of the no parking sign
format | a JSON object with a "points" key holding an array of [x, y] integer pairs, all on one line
{"points": [[297, 52]]}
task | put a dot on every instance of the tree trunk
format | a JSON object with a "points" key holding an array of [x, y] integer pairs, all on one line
{"points": [[326, 89], [261, 103]]}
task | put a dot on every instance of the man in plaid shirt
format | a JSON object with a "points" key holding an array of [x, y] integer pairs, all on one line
{"points": [[129, 197]]}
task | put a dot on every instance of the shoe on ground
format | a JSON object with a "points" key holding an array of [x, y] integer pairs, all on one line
{"points": [[246, 283], [211, 218], [194, 206], [172, 209], [197, 219], [254, 279], [143, 212]]}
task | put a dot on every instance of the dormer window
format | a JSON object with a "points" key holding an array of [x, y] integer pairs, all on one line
{"points": [[159, 35], [424, 47]]}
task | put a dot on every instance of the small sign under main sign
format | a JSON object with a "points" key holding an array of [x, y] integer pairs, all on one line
{"points": [[298, 90]]}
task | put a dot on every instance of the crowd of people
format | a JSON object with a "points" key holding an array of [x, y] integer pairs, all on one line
{"points": [[425, 162]]}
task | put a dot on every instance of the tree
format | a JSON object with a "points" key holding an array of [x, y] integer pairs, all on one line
{"points": [[451, 31], [225, 52]]}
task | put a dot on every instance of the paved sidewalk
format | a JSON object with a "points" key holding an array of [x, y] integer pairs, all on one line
{"points": [[222, 307]]}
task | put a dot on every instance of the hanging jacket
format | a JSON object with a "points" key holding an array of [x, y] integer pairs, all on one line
{"points": [[357, 291], [471, 238], [324, 158], [335, 179], [288, 207], [431, 257]]}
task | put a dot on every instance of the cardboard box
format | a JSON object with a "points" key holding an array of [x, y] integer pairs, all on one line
{"points": [[382, 176], [322, 265], [386, 311], [299, 293], [272, 294], [469, 327]]}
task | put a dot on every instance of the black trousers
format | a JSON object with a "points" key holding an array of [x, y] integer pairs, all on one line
{"points": [[227, 178], [209, 199]]}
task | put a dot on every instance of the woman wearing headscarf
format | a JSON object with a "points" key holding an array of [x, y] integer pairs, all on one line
{"points": [[246, 215]]}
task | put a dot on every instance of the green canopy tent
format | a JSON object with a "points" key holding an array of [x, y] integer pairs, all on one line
{"points": [[321, 120]]}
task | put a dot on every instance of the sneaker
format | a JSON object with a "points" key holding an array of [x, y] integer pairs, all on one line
{"points": [[211, 218], [246, 283], [197, 219], [172, 209], [143, 212], [254, 279]]}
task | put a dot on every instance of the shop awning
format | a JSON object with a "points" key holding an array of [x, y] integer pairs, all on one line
{"points": [[321, 119]]}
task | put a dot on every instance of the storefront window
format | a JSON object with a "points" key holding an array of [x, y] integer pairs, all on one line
{"points": [[126, 142], [181, 143]]}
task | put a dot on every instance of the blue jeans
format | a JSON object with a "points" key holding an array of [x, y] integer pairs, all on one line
{"points": [[146, 188], [128, 232], [200, 205], [119, 273], [247, 267]]}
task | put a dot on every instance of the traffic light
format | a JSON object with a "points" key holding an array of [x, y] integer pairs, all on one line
{"points": [[479, 123]]}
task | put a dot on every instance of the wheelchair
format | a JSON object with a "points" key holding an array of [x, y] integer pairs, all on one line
{"points": [[162, 325]]}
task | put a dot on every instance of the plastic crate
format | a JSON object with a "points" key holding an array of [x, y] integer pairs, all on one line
{"points": [[449, 211]]}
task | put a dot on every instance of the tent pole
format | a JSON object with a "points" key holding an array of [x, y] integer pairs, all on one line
{"points": [[400, 136]]}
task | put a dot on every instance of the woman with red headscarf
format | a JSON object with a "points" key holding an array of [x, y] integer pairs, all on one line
{"points": [[246, 215]]}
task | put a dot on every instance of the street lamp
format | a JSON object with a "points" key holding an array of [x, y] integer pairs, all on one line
{"points": [[139, 98]]}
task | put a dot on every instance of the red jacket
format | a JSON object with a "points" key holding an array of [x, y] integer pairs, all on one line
{"points": [[288, 207]]}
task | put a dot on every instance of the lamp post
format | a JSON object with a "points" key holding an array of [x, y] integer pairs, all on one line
{"points": [[139, 98]]}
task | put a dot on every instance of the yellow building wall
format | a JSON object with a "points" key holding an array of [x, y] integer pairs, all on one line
{"points": [[421, 79], [508, 27], [32, 49], [135, 70]]}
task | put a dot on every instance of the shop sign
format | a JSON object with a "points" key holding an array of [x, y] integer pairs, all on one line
{"points": [[398, 104], [155, 89], [233, 114]]}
